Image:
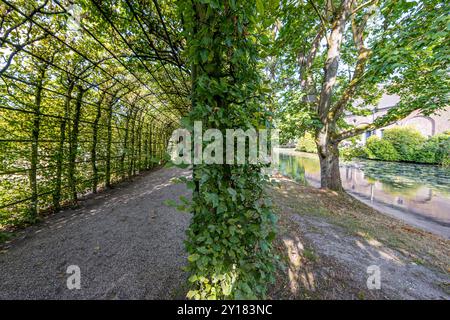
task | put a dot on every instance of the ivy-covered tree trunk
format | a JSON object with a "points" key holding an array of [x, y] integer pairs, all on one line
{"points": [[229, 239], [35, 144]]}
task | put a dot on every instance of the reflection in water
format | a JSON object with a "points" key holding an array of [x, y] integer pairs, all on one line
{"points": [[418, 194]]}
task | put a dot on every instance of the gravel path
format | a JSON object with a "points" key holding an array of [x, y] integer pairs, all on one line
{"points": [[126, 242]]}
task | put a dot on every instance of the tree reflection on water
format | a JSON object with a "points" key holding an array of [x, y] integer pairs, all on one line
{"points": [[416, 190]]}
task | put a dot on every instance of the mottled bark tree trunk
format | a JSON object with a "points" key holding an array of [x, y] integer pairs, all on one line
{"points": [[328, 151], [327, 147]]}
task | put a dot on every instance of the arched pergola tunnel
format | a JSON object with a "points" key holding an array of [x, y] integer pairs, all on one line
{"points": [[88, 98], [90, 94]]}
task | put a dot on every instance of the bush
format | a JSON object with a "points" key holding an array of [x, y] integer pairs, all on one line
{"points": [[353, 151], [407, 141], [433, 150], [443, 156], [381, 149], [446, 160], [428, 151], [404, 144], [306, 144], [440, 146]]}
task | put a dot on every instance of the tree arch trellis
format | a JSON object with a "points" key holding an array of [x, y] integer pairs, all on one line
{"points": [[77, 112], [89, 97]]}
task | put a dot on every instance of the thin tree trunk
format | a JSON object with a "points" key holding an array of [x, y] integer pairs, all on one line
{"points": [[60, 153], [146, 147], [151, 138], [108, 145], [35, 145], [73, 147], [94, 145], [164, 146], [124, 151], [131, 156], [139, 148], [159, 146]]}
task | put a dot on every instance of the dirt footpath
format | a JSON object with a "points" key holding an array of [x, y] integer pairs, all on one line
{"points": [[327, 241], [126, 242]]}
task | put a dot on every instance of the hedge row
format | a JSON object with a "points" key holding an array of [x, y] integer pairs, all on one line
{"points": [[406, 144]]}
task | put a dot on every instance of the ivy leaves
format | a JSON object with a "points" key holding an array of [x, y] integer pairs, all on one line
{"points": [[229, 239]]}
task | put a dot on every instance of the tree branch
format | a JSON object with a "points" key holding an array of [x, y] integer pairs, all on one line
{"points": [[322, 20], [380, 122], [332, 61], [358, 74], [365, 4], [307, 62]]}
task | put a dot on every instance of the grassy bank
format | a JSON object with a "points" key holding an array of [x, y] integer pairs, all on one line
{"points": [[327, 238]]}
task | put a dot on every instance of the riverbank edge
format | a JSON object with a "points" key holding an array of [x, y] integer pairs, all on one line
{"points": [[294, 151], [411, 217]]}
